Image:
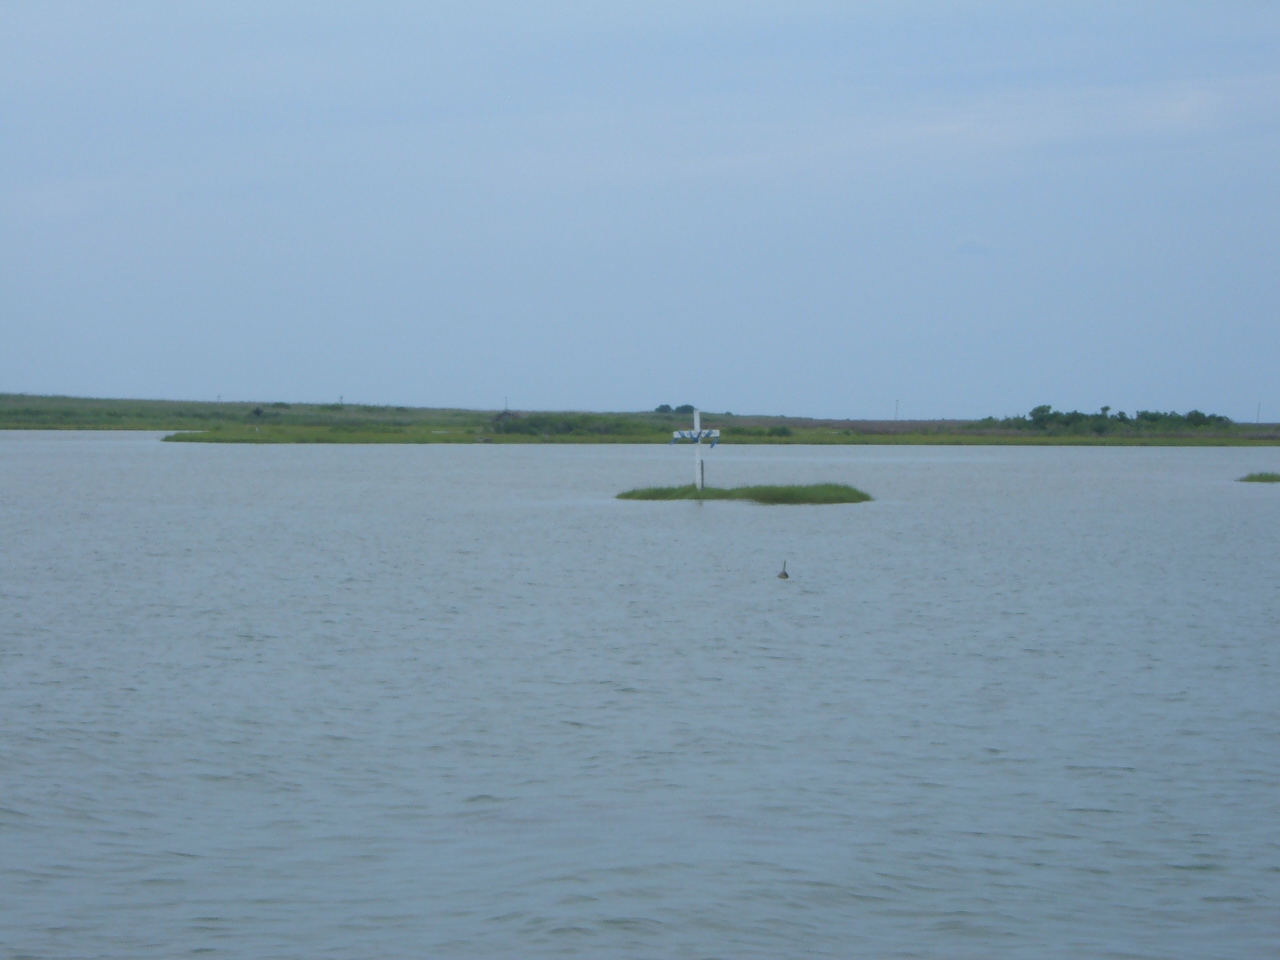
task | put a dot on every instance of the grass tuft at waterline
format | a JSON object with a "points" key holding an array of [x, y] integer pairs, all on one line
{"points": [[1261, 478], [787, 494]]}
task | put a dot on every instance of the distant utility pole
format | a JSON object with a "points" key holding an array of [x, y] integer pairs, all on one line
{"points": [[895, 409], [1258, 418]]}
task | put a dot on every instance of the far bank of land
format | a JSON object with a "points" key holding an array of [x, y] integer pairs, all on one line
{"points": [[281, 422]]}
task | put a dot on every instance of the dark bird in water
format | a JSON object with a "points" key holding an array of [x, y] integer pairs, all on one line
{"points": [[784, 575]]}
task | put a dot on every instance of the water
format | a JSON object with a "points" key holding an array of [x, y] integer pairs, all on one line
{"points": [[459, 702]]}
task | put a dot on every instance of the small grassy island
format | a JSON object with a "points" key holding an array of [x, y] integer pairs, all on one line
{"points": [[1261, 478], [788, 494]]}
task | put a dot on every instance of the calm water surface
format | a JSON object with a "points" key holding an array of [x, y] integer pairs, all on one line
{"points": [[457, 701]]}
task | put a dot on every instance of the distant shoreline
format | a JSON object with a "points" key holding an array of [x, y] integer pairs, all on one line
{"points": [[268, 436], [273, 423]]}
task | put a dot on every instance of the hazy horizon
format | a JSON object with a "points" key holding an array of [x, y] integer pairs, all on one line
{"points": [[818, 210]]}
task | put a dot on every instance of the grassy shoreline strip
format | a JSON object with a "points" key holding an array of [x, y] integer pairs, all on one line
{"points": [[1261, 478], [282, 422], [321, 434], [820, 493]]}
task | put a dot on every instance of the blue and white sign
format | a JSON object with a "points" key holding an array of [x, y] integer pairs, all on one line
{"points": [[698, 435]]}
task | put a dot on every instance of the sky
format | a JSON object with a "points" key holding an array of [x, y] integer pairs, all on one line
{"points": [[812, 209]]}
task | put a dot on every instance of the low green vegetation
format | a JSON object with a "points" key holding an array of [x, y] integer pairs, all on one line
{"points": [[789, 494], [280, 422], [1046, 420], [1261, 478], [539, 425], [20, 411]]}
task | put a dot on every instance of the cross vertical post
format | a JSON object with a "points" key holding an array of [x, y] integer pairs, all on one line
{"points": [[696, 435], [697, 450]]}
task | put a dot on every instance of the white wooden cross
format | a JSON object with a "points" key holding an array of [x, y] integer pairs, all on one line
{"points": [[697, 435]]}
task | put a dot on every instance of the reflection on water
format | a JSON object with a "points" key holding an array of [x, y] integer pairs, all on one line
{"points": [[454, 701]]}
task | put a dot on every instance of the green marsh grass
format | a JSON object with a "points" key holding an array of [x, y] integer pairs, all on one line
{"points": [[281, 422], [1261, 478], [788, 494]]}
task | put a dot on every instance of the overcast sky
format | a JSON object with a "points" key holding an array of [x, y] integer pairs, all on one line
{"points": [[786, 208]]}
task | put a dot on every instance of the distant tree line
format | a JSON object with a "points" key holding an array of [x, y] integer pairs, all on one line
{"points": [[667, 408], [1049, 420]]}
